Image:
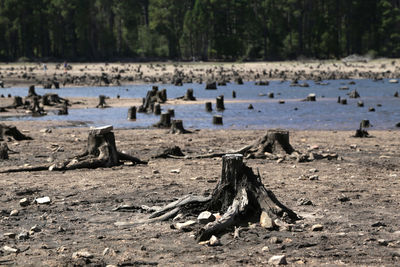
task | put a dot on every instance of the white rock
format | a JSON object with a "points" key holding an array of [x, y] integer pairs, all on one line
{"points": [[9, 235], [10, 249], [186, 226], [24, 202], [205, 217], [277, 260], [214, 241], [317, 227], [82, 254], [266, 221], [14, 213], [43, 200], [175, 171], [393, 81]]}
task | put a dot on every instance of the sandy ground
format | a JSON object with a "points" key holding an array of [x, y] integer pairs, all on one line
{"points": [[83, 74], [355, 199]]}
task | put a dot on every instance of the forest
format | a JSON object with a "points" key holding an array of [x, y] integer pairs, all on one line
{"points": [[223, 30]]}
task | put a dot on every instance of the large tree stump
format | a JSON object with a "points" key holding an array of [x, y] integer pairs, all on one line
{"points": [[13, 132], [220, 103], [3, 151], [239, 195]]}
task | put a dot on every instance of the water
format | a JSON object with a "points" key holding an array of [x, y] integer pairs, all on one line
{"points": [[324, 114]]}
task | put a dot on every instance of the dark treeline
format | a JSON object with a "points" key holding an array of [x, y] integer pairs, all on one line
{"points": [[197, 29]]}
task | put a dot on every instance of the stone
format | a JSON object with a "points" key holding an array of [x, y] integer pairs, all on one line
{"points": [[214, 241], [14, 213], [35, 228], [10, 249], [265, 249], [24, 202], [23, 236], [278, 260], [205, 217], [393, 81], [304, 202], [266, 221], [317, 227], [382, 242], [175, 171], [101, 130], [274, 240], [43, 200], [186, 226], [314, 177], [9, 235], [82, 254]]}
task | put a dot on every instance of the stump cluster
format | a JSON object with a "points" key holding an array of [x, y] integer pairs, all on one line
{"points": [[152, 97]]}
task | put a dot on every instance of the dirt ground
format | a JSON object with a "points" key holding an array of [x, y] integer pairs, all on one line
{"points": [[356, 200]]}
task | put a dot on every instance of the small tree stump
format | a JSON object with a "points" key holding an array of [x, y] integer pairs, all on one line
{"points": [[239, 80], [250, 106], [64, 109], [208, 106], [217, 119], [171, 112], [311, 97], [271, 95], [338, 99], [354, 94], [157, 109], [17, 102], [36, 109], [233, 94], [343, 101], [396, 94], [3, 151], [220, 103], [211, 86], [165, 121], [161, 96], [31, 91], [102, 102], [360, 103], [132, 113], [177, 127], [189, 95]]}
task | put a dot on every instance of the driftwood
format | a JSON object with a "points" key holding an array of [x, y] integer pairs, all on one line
{"points": [[239, 195], [13, 132], [101, 151]]}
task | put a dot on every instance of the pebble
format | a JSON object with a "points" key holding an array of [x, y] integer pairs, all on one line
{"points": [[82, 254], [14, 213], [317, 227], [278, 260], [175, 171], [205, 217], [214, 241], [24, 202], [43, 200], [10, 249]]}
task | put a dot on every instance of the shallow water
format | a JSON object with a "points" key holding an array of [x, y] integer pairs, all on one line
{"points": [[324, 114]]}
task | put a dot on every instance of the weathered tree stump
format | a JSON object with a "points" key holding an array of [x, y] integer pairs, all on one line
{"points": [[233, 94], [52, 99], [211, 86], [64, 109], [157, 109], [189, 95], [165, 121], [3, 151], [13, 132], [396, 94], [250, 106], [31, 91], [177, 127], [274, 142], [271, 95], [171, 112], [239, 195], [35, 107], [311, 97], [354, 94], [361, 132], [17, 102], [132, 113], [208, 106], [220, 103], [152, 97], [360, 104], [217, 119], [239, 80], [343, 101], [161, 96], [102, 102], [338, 99]]}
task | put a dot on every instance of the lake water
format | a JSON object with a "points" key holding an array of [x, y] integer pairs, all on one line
{"points": [[324, 114]]}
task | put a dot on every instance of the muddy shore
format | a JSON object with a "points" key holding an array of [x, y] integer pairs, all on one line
{"points": [[356, 199]]}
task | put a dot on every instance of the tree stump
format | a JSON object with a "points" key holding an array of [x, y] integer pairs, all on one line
{"points": [[13, 132], [161, 96], [31, 91], [360, 104], [343, 101], [177, 127], [157, 109], [311, 97], [271, 95], [250, 106], [3, 151], [189, 95], [132, 113], [102, 102], [354, 94], [220, 103], [165, 121], [36, 109], [211, 86], [239, 195], [171, 112], [276, 141], [239, 80], [64, 109], [217, 119], [17, 102], [233, 94], [396, 94], [208, 106]]}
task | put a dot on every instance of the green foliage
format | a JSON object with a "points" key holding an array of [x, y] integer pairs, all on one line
{"points": [[198, 29]]}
